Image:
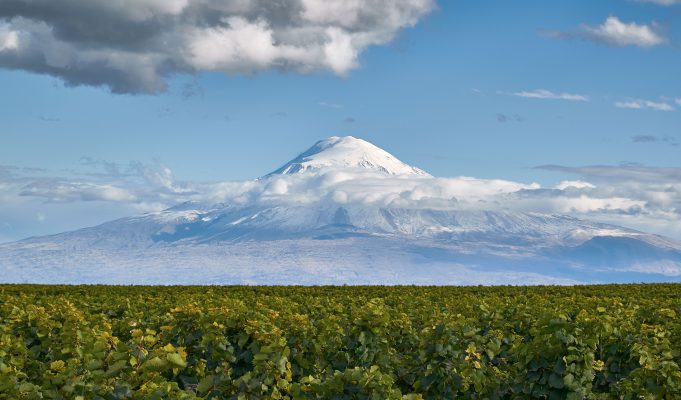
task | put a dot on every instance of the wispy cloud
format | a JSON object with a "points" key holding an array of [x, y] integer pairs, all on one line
{"points": [[330, 105], [670, 140], [621, 173], [614, 32], [45, 118], [639, 104], [547, 94], [97, 180], [64, 191], [660, 2], [192, 89], [644, 139], [503, 118]]}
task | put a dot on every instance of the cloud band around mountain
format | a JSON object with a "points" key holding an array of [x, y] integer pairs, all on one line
{"points": [[632, 195], [133, 46]]}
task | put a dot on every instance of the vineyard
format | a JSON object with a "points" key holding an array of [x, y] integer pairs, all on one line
{"points": [[106, 342]]}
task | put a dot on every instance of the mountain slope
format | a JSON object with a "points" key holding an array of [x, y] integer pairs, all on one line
{"points": [[338, 214]]}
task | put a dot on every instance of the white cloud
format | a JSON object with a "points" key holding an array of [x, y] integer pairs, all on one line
{"points": [[574, 184], [330, 105], [340, 53], [678, 101], [639, 104], [77, 191], [618, 33], [547, 94], [581, 204], [9, 39], [656, 192], [635, 105], [659, 106], [134, 45]]}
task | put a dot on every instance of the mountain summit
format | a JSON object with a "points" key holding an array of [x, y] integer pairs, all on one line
{"points": [[347, 152]]}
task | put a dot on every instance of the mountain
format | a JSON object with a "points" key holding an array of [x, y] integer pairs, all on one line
{"points": [[344, 211]]}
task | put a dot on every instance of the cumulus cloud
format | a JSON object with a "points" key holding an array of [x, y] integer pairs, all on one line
{"points": [[638, 104], [618, 33], [547, 94], [133, 46], [9, 39]]}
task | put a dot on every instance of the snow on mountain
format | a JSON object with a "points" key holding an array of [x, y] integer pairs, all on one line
{"points": [[345, 153], [346, 211]]}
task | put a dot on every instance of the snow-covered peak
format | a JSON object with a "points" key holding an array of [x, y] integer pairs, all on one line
{"points": [[344, 153]]}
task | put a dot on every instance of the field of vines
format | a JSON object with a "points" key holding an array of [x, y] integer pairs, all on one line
{"points": [[239, 342]]}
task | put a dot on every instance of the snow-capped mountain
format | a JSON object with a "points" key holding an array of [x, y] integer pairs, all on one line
{"points": [[347, 153], [346, 211]]}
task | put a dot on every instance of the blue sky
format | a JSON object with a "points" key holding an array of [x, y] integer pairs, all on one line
{"points": [[489, 89]]}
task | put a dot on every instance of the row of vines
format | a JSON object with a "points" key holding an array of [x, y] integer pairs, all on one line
{"points": [[106, 342]]}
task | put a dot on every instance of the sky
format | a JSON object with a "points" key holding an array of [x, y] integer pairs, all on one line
{"points": [[115, 108]]}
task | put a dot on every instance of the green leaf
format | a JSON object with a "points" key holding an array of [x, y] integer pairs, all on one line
{"points": [[26, 387], [569, 381], [556, 381], [94, 364], [176, 360], [206, 384], [154, 364]]}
